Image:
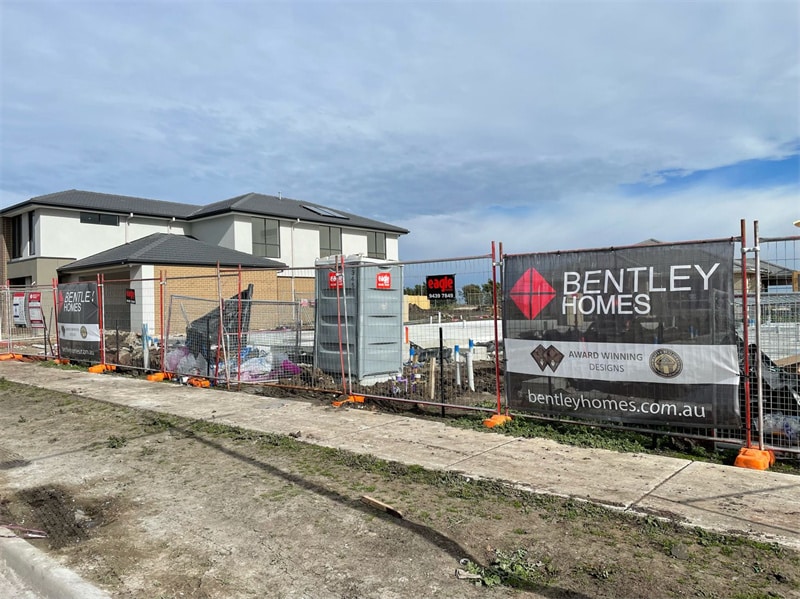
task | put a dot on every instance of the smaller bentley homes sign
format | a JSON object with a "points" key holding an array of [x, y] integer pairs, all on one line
{"points": [[78, 322]]}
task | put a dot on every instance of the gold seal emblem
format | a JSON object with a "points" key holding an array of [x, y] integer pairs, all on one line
{"points": [[666, 363]]}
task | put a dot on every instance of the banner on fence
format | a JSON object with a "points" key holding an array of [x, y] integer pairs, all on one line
{"points": [[642, 334], [35, 316], [18, 303], [78, 321]]}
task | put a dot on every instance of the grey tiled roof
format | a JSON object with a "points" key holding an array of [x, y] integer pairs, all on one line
{"points": [[163, 248], [108, 202], [249, 203], [264, 205]]}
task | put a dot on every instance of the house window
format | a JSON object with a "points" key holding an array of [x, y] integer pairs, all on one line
{"points": [[266, 238], [376, 244], [31, 235], [330, 241], [16, 237], [96, 218]]}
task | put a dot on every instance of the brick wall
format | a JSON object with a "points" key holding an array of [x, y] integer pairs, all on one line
{"points": [[202, 282], [303, 288]]}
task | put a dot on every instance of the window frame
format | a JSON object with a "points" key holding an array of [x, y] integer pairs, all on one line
{"points": [[376, 244], [268, 248], [329, 249], [31, 234], [16, 237], [99, 218]]}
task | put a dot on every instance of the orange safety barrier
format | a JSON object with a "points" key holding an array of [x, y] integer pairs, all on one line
{"points": [[755, 459], [496, 420], [159, 376], [350, 399]]}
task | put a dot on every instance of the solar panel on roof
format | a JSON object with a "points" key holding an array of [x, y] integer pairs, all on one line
{"points": [[323, 211]]}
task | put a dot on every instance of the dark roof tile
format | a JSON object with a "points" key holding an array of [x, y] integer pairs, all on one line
{"points": [[166, 249], [107, 202], [249, 203], [265, 205]]}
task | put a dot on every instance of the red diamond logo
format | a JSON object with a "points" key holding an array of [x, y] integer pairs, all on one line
{"points": [[531, 293]]}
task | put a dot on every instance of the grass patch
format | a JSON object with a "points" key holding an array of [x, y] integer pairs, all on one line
{"points": [[595, 437]]}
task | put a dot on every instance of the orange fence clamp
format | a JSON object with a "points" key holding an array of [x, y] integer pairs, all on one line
{"points": [[496, 420], [755, 459]]}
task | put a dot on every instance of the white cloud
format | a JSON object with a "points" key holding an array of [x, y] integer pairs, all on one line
{"points": [[597, 221], [389, 110]]}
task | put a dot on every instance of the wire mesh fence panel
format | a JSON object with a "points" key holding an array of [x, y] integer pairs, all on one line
{"points": [[131, 322], [403, 330], [779, 340], [27, 320], [237, 340], [274, 348], [555, 326]]}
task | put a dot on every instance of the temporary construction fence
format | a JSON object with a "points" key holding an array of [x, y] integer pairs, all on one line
{"points": [[27, 315], [638, 338], [653, 338], [769, 326], [417, 332]]}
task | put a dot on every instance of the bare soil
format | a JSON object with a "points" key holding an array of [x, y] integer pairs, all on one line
{"points": [[153, 506]]}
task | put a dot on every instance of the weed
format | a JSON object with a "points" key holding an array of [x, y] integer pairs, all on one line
{"points": [[515, 569], [115, 442], [598, 571]]}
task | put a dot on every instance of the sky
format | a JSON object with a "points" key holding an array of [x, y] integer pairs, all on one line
{"points": [[544, 125]]}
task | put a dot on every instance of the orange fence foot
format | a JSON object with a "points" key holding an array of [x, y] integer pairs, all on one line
{"points": [[755, 459], [496, 420], [159, 376], [350, 399], [198, 382], [100, 368]]}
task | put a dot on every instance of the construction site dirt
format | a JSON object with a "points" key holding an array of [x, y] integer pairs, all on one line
{"points": [[150, 505]]}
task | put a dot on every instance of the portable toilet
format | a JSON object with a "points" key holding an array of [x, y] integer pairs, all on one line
{"points": [[360, 310]]}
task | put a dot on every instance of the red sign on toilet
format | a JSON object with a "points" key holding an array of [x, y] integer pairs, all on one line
{"points": [[383, 280]]}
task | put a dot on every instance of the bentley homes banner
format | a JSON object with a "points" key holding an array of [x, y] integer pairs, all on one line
{"points": [[78, 322], [642, 334]]}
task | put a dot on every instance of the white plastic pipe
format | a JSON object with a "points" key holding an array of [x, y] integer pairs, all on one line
{"points": [[470, 373], [457, 358]]}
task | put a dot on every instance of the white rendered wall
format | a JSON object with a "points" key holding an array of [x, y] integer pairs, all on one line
{"points": [[354, 242], [144, 310], [392, 247], [218, 230], [61, 233]]}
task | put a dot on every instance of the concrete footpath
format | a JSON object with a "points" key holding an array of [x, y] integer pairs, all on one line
{"points": [[762, 505]]}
